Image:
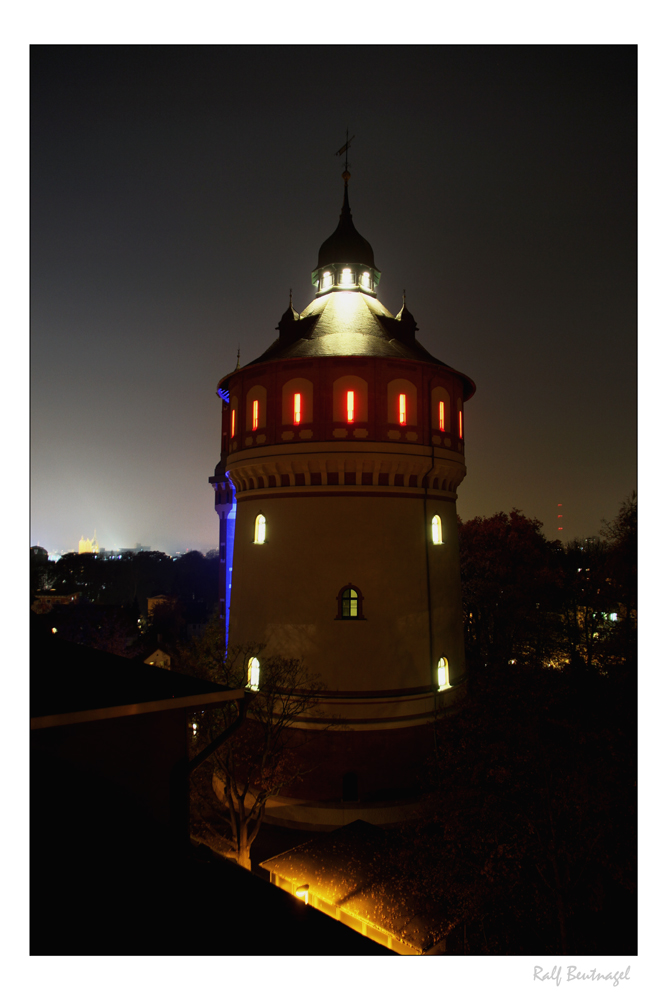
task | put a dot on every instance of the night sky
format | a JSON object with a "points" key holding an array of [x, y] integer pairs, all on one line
{"points": [[178, 193]]}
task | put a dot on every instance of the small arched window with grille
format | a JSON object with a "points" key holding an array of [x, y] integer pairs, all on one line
{"points": [[260, 529], [436, 529], [253, 673], [443, 673], [350, 603]]}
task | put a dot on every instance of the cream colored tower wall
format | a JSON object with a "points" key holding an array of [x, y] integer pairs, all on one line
{"points": [[284, 592]]}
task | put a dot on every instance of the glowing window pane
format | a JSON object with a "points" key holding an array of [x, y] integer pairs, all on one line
{"points": [[350, 604], [327, 279], [461, 423], [350, 406], [260, 529], [402, 409], [366, 279], [436, 530], [441, 415], [347, 278], [255, 414], [443, 674], [253, 673], [233, 422], [297, 407], [302, 892]]}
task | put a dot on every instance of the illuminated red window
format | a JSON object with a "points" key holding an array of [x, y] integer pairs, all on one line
{"points": [[350, 406], [233, 422], [461, 423], [441, 415], [402, 409], [297, 407], [255, 414]]}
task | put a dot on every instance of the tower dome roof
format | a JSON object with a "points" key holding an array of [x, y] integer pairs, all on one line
{"points": [[346, 245]]}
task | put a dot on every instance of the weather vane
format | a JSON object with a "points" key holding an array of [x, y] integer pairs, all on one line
{"points": [[344, 149]]}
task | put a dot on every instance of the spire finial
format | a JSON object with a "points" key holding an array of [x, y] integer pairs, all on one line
{"points": [[290, 298], [344, 149], [403, 296], [238, 359]]}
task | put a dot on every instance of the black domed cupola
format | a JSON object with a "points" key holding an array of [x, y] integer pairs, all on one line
{"points": [[345, 261]]}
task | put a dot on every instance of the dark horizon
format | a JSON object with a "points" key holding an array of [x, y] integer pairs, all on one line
{"points": [[178, 193]]}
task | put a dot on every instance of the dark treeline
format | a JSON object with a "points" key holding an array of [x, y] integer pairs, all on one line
{"points": [[530, 842], [111, 608], [547, 604]]}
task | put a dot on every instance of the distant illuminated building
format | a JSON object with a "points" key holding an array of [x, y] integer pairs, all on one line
{"points": [[89, 544], [342, 449]]}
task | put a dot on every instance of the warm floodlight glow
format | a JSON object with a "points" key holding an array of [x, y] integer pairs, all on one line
{"points": [[297, 407], [436, 529], [253, 673], [402, 409], [327, 279], [302, 892], [461, 424], [366, 279], [255, 414], [233, 432], [441, 415], [260, 529], [443, 674], [346, 277], [350, 406]]}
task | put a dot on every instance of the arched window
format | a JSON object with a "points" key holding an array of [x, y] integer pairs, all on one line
{"points": [[443, 673], [441, 415], [233, 419], [350, 400], [255, 418], [350, 603], [402, 403], [297, 402], [253, 673], [436, 529], [260, 529]]}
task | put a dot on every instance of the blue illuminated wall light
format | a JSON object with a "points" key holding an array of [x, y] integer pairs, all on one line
{"points": [[229, 553]]}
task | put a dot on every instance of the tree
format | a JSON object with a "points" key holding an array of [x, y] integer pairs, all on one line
{"points": [[42, 572], [509, 577], [267, 753], [531, 833]]}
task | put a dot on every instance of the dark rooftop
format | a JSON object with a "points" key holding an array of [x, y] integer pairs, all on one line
{"points": [[346, 245], [66, 678]]}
